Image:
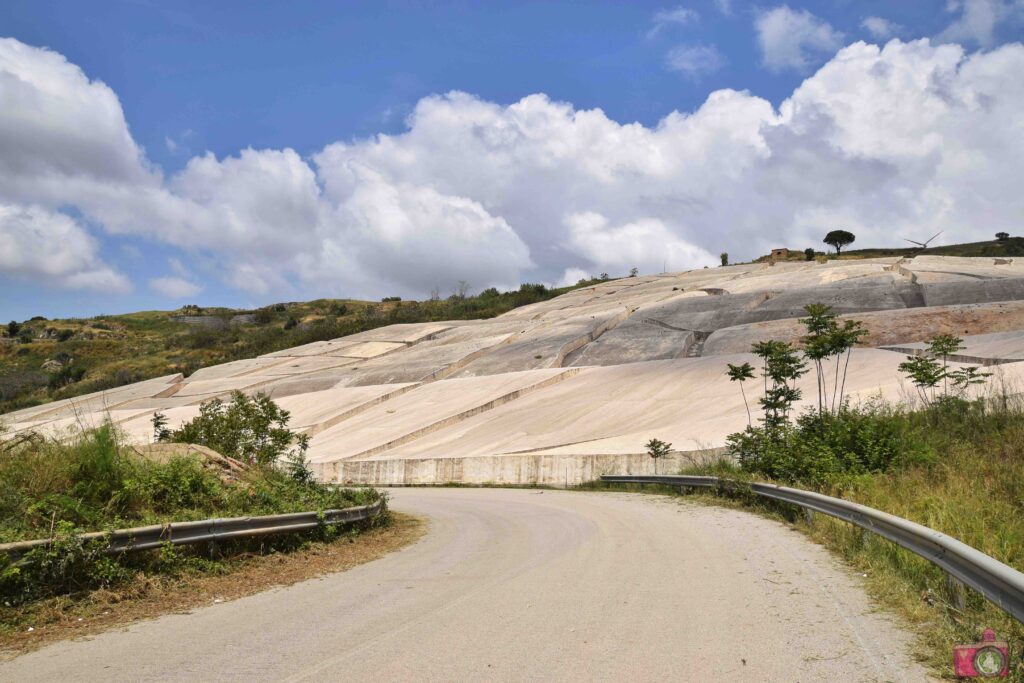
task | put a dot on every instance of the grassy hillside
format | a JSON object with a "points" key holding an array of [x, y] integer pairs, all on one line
{"points": [[44, 360]]}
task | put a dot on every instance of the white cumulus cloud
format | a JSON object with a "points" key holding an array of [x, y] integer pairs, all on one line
{"points": [[889, 142], [978, 19], [881, 28], [791, 39], [174, 287], [51, 248]]}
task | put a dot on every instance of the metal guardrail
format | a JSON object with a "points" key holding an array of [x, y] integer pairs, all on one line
{"points": [[1001, 584], [208, 530]]}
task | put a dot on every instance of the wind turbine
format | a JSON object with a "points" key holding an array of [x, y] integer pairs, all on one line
{"points": [[924, 245]]}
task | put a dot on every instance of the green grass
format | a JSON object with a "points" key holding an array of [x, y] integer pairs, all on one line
{"points": [[59, 489], [114, 350]]}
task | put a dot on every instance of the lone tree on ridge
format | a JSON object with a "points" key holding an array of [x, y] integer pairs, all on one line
{"points": [[839, 239]]}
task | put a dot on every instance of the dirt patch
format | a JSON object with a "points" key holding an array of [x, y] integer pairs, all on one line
{"points": [[148, 597]]}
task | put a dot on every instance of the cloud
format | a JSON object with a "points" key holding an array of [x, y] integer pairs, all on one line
{"points": [[533, 190], [978, 20], [51, 249], [881, 29], [647, 244], [680, 16], [694, 60], [791, 39], [724, 6], [174, 287]]}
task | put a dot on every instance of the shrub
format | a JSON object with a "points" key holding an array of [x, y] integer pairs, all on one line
{"points": [[809, 254], [68, 374], [253, 430], [826, 450]]}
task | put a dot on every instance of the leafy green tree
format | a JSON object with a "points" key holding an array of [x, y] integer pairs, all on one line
{"points": [[633, 271], [657, 449], [741, 373], [253, 430], [724, 256], [927, 372], [827, 339], [839, 239], [809, 254], [12, 329], [782, 366], [1002, 236]]}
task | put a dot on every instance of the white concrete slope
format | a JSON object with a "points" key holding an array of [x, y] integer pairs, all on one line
{"points": [[565, 390], [516, 585]]}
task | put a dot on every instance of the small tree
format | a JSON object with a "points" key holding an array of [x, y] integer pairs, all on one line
{"points": [[782, 366], [604, 276], [1002, 236], [826, 339], [741, 373], [160, 430], [809, 254], [657, 449], [12, 329], [926, 372], [839, 239], [633, 271], [725, 258]]}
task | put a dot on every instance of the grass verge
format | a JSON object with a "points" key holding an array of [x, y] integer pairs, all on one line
{"points": [[59, 489], [147, 596]]}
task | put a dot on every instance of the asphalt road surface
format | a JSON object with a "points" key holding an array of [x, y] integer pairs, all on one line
{"points": [[524, 585]]}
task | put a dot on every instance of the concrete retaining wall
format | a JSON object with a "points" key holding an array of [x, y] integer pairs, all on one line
{"points": [[550, 470]]}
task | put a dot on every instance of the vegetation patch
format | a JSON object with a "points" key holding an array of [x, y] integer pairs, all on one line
{"points": [[58, 489]]}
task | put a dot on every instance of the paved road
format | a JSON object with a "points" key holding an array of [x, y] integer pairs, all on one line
{"points": [[528, 585]]}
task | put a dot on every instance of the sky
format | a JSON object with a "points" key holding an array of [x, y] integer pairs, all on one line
{"points": [[155, 153]]}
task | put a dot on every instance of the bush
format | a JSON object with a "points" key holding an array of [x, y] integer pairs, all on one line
{"points": [[253, 430], [68, 374], [827, 450], [59, 489]]}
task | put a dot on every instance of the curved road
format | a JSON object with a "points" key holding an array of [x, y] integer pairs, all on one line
{"points": [[530, 585]]}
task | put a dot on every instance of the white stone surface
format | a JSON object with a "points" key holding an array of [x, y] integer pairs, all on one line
{"points": [[569, 388]]}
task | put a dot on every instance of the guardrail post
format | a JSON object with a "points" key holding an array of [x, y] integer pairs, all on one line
{"points": [[957, 591], [809, 516]]}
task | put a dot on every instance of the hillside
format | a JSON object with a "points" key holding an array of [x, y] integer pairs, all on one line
{"points": [[44, 360], [566, 388]]}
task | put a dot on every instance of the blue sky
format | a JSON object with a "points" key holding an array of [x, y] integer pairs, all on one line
{"points": [[222, 77]]}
